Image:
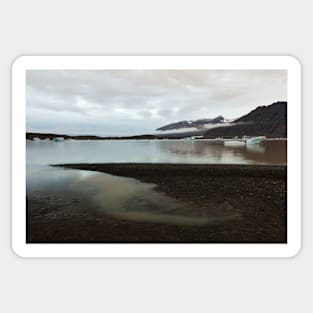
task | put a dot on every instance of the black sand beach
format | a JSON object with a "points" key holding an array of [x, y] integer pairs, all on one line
{"points": [[254, 195]]}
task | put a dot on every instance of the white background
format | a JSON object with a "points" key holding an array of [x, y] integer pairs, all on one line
{"points": [[154, 27]]}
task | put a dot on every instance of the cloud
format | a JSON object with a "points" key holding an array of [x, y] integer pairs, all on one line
{"points": [[139, 101]]}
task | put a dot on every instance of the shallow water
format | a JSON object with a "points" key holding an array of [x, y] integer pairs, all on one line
{"points": [[127, 198], [104, 194]]}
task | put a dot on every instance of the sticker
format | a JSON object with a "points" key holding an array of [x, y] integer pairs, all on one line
{"points": [[156, 156]]}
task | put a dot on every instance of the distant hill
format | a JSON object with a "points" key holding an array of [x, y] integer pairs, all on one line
{"points": [[193, 124], [43, 136], [269, 121]]}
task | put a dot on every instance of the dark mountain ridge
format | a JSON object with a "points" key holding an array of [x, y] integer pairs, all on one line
{"points": [[269, 121]]}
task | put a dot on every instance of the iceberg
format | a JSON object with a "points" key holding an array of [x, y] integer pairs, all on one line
{"points": [[255, 140], [233, 143], [58, 139], [244, 141]]}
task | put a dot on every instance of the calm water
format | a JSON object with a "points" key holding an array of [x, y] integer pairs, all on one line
{"points": [[154, 151], [57, 189]]}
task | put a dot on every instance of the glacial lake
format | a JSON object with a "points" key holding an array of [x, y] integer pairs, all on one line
{"points": [[55, 193], [154, 151]]}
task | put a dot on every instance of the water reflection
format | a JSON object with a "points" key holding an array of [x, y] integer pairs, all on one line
{"points": [[268, 152], [127, 198], [155, 151], [259, 148], [123, 198]]}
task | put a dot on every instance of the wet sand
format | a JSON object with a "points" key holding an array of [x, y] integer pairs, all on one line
{"points": [[256, 195]]}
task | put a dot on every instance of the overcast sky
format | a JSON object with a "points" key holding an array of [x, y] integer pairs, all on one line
{"points": [[126, 102]]}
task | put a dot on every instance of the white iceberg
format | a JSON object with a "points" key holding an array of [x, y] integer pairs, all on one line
{"points": [[233, 143]]}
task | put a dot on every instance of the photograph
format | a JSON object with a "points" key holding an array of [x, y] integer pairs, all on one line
{"points": [[156, 156]]}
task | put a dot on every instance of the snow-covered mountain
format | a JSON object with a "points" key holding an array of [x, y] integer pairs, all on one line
{"points": [[200, 124]]}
